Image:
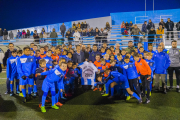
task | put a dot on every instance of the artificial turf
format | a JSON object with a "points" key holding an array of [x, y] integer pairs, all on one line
{"points": [[92, 106]]}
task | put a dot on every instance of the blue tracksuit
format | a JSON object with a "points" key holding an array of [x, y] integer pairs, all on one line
{"points": [[152, 51], [116, 68], [151, 64], [162, 62], [102, 54], [26, 65], [63, 56], [93, 55], [120, 63], [68, 59], [123, 56], [107, 61], [129, 70], [48, 62], [11, 69]]}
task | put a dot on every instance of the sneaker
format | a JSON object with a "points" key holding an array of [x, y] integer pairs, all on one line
{"points": [[110, 97], [140, 101], [128, 98], [34, 95], [147, 101], [21, 95], [17, 92], [43, 109], [7, 93], [55, 107], [12, 94], [95, 89], [59, 104], [142, 95], [170, 88], [48, 101], [165, 92], [177, 90], [105, 94], [40, 105], [63, 98], [24, 100]]}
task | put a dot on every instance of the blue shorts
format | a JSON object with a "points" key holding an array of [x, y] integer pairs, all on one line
{"points": [[14, 77], [46, 86], [29, 81], [124, 85]]}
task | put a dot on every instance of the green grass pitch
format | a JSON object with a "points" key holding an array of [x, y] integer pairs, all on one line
{"points": [[92, 106]]}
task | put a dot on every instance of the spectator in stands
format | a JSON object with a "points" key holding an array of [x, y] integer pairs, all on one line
{"points": [[162, 23], [127, 25], [130, 25], [160, 30], [63, 29], [78, 56], [122, 24], [136, 31], [77, 36], [68, 36], [150, 25], [144, 27], [85, 25], [86, 54], [79, 29], [11, 35], [44, 36], [151, 35], [28, 34], [5, 34], [123, 28], [107, 26], [82, 25], [74, 25], [35, 36], [23, 34], [79, 24], [174, 54], [178, 29], [18, 34], [41, 34], [6, 56], [169, 27], [96, 35], [117, 47], [83, 33], [90, 33], [1, 34], [92, 30], [130, 47], [43, 30], [53, 35], [104, 34]]}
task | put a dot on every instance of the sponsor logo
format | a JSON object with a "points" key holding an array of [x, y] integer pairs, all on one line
{"points": [[23, 60]]}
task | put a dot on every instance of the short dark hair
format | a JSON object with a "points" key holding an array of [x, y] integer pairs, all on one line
{"points": [[98, 55], [69, 53], [37, 51], [132, 51], [49, 51], [99, 75], [136, 55], [140, 47], [35, 45], [129, 41], [41, 47], [173, 41], [126, 57], [63, 63], [11, 44], [78, 46], [62, 59], [95, 45], [119, 54], [19, 52], [26, 48], [14, 51], [69, 61]]}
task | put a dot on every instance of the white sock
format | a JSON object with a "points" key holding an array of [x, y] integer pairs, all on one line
{"points": [[177, 86]]}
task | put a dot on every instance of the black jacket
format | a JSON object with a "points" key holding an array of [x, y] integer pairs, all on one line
{"points": [[1, 32], [151, 38], [151, 24], [0, 68], [75, 57], [116, 68], [178, 26], [163, 24], [86, 55], [40, 78], [69, 35], [127, 26], [5, 32], [6, 56], [169, 25]]}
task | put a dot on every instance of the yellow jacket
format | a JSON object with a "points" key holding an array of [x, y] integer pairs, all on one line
{"points": [[160, 32]]}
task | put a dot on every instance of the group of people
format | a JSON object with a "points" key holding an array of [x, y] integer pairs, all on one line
{"points": [[54, 73]]}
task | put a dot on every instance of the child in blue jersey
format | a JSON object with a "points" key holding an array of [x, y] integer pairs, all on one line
{"points": [[141, 51], [120, 60], [19, 54], [112, 57], [54, 75], [129, 70], [37, 58], [103, 52], [64, 53], [48, 59], [151, 64], [31, 53], [132, 53], [78, 71], [11, 72], [69, 56], [131, 57], [26, 68], [106, 57], [116, 78], [53, 49], [115, 67], [116, 52], [123, 52]]}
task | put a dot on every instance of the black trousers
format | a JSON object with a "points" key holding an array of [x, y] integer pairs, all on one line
{"points": [[62, 33], [172, 34], [177, 72], [145, 84], [134, 83], [40, 93]]}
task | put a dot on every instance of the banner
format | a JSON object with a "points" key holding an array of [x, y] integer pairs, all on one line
{"points": [[88, 73]]}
